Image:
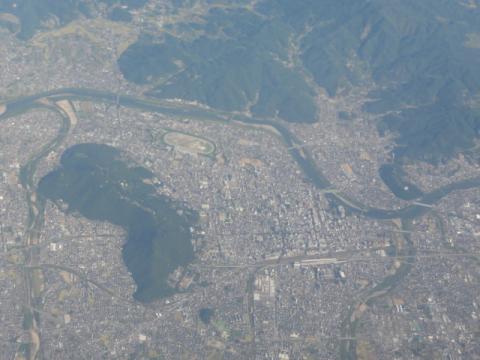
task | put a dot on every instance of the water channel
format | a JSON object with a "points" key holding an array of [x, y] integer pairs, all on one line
{"points": [[299, 154]]}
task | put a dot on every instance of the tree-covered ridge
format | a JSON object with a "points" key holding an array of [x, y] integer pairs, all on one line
{"points": [[95, 181], [32, 14], [421, 57], [241, 63], [415, 52]]}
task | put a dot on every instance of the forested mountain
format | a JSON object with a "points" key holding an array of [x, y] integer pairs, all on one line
{"points": [[25, 17], [422, 59]]}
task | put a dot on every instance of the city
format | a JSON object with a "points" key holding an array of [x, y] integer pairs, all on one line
{"points": [[283, 269]]}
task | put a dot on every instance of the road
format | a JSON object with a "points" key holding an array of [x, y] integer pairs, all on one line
{"points": [[58, 101]]}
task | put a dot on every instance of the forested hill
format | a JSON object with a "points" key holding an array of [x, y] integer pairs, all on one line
{"points": [[421, 58], [26, 17]]}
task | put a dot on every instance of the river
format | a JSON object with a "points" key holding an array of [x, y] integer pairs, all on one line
{"points": [[300, 155]]}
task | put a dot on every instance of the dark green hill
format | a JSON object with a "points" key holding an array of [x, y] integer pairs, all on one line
{"points": [[32, 13], [245, 68], [421, 57], [95, 181], [417, 54]]}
